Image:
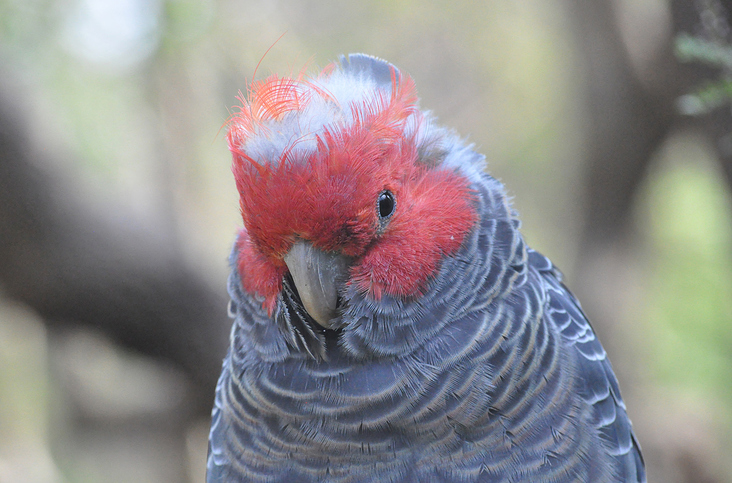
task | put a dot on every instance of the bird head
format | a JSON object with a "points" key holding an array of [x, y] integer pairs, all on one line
{"points": [[344, 183]]}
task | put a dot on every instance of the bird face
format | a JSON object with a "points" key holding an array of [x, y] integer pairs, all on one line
{"points": [[342, 183]]}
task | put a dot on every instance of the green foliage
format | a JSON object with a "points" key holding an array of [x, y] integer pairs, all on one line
{"points": [[696, 49], [689, 302], [712, 94]]}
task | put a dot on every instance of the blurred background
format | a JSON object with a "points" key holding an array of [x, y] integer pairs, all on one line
{"points": [[608, 120]]}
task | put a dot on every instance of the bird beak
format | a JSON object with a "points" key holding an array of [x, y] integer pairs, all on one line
{"points": [[317, 275]]}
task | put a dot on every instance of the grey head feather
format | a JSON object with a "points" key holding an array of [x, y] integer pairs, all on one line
{"points": [[362, 64]]}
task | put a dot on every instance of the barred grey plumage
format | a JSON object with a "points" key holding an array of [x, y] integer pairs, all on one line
{"points": [[492, 374]]}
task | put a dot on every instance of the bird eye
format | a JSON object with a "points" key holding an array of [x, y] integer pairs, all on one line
{"points": [[386, 204]]}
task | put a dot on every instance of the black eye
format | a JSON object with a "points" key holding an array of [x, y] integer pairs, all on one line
{"points": [[386, 204]]}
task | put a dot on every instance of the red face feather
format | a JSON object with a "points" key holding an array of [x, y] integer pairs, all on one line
{"points": [[329, 196]]}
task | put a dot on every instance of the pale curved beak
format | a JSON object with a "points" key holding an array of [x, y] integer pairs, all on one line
{"points": [[317, 276]]}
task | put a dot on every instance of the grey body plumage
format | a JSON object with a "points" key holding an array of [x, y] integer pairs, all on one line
{"points": [[493, 374]]}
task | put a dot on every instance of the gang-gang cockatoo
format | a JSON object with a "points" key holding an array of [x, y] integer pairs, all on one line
{"points": [[390, 323]]}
